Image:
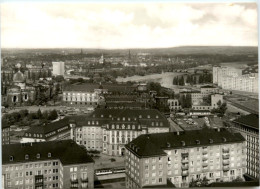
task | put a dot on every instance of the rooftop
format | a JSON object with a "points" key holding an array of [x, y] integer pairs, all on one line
{"points": [[154, 144], [61, 150], [251, 120], [89, 87], [45, 129], [207, 86]]}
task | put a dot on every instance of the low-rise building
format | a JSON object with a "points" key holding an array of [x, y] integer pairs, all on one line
{"points": [[55, 164], [59, 130], [248, 126], [216, 154]]}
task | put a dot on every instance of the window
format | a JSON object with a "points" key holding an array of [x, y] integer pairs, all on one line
{"points": [[146, 167], [160, 180], [49, 154], [26, 156]]}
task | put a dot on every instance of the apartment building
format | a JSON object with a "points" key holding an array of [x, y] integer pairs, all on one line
{"points": [[56, 164], [248, 126], [108, 130], [234, 79], [58, 68], [152, 159]]}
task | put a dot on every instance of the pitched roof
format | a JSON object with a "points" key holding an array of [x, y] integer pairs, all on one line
{"points": [[251, 120], [45, 129], [153, 144], [67, 151]]}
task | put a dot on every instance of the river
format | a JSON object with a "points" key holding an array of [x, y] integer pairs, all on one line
{"points": [[165, 79]]}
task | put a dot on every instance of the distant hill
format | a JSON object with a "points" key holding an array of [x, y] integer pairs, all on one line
{"points": [[227, 50]]}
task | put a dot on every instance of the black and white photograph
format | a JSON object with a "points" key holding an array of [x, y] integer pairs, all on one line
{"points": [[128, 94]]}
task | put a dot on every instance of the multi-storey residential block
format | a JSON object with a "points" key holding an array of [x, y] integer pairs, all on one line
{"points": [[248, 126], [59, 130], [108, 130], [152, 159], [56, 164], [234, 79], [58, 68]]}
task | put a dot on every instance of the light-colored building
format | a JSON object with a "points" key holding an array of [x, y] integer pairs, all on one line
{"points": [[58, 68], [215, 98], [47, 165], [174, 104], [5, 133], [108, 130], [152, 159], [233, 79], [248, 126]]}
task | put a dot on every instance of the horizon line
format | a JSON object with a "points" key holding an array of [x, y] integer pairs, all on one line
{"points": [[128, 47]]}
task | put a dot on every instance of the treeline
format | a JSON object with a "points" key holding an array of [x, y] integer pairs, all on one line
{"points": [[193, 79], [24, 118]]}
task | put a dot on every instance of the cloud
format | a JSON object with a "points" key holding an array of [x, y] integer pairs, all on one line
{"points": [[127, 25]]}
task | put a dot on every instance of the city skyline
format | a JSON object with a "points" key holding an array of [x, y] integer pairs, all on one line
{"points": [[128, 25]]}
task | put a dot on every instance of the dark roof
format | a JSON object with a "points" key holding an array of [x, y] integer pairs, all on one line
{"points": [[83, 87], [153, 144], [67, 151], [105, 116], [208, 86], [45, 129], [251, 120], [89, 87]]}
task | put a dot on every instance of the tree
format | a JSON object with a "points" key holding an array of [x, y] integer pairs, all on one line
{"points": [[23, 113], [39, 114], [45, 115], [199, 182], [53, 115], [238, 179]]}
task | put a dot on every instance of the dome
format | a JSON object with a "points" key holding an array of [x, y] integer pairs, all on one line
{"points": [[18, 77]]}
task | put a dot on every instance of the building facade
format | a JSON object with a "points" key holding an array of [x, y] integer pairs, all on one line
{"points": [[108, 130], [5, 133], [152, 159], [174, 104], [58, 68], [233, 79], [248, 126], [46, 165]]}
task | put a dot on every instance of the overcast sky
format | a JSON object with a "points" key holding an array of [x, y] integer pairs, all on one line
{"points": [[132, 25]]}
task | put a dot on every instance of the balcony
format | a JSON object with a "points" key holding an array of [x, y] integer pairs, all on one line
{"points": [[225, 150], [205, 164], [185, 173], [225, 168], [204, 152], [184, 154], [225, 156], [184, 160], [84, 179], [205, 169], [74, 180], [225, 162], [204, 158], [185, 167]]}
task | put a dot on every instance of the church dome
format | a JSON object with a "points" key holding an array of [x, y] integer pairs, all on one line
{"points": [[18, 77]]}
